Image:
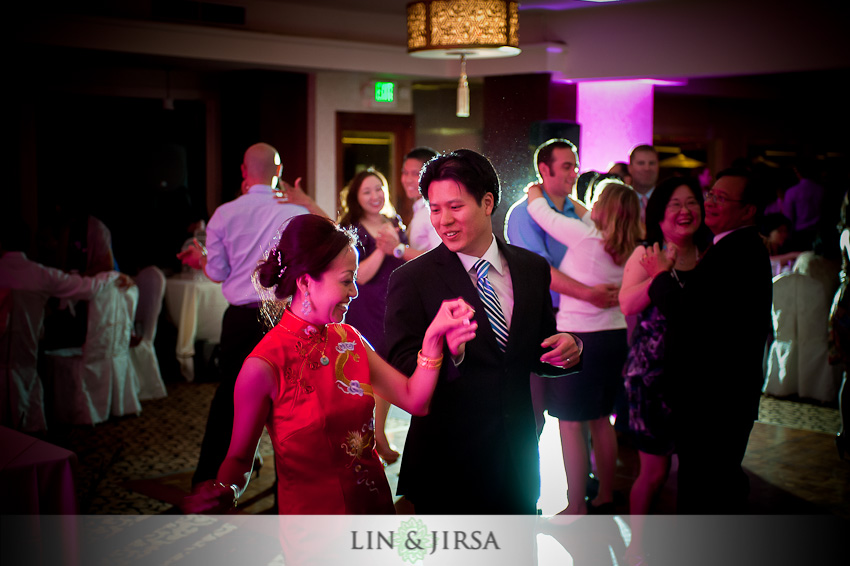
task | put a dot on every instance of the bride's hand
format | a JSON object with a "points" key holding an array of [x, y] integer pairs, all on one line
{"points": [[454, 321], [208, 497]]}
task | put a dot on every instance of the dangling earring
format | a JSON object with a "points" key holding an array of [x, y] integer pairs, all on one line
{"points": [[306, 306]]}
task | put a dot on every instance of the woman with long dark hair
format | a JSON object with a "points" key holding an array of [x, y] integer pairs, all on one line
{"points": [[382, 245]]}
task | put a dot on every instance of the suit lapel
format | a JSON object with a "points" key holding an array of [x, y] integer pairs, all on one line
{"points": [[730, 242], [452, 272]]}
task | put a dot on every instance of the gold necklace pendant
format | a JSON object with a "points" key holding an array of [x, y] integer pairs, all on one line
{"points": [[315, 337]]}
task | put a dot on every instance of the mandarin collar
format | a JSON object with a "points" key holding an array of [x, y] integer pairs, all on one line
{"points": [[296, 325]]}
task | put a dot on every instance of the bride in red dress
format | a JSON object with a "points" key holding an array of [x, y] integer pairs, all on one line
{"points": [[312, 382]]}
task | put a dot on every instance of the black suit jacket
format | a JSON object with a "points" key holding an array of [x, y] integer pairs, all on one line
{"points": [[718, 324], [476, 450]]}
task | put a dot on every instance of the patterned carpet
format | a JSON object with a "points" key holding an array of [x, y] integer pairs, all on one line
{"points": [[143, 464], [795, 414]]}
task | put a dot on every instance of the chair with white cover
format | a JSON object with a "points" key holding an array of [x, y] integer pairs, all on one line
{"points": [[98, 381], [798, 361], [22, 394], [151, 284]]}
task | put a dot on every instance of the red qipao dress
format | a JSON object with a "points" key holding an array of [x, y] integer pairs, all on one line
{"points": [[322, 423]]}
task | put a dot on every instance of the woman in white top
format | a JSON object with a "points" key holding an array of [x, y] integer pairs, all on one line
{"points": [[597, 249]]}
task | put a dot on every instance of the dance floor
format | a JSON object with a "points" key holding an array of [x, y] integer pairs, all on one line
{"points": [[136, 467], [143, 464]]}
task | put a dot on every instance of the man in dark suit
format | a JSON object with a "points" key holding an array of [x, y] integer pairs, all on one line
{"points": [[718, 323], [476, 451]]}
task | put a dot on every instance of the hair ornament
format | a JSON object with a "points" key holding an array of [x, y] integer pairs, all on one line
{"points": [[280, 263]]}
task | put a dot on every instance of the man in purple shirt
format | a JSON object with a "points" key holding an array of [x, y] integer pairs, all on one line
{"points": [[237, 235], [803, 205]]}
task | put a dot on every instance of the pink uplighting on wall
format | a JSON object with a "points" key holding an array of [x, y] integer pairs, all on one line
{"points": [[615, 116]]}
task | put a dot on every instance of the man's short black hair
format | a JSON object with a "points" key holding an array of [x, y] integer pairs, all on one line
{"points": [[423, 154], [753, 192], [465, 167]]}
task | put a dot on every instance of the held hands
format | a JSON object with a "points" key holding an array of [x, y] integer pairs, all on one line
{"points": [[565, 352], [656, 260], [193, 256], [454, 321], [209, 497]]}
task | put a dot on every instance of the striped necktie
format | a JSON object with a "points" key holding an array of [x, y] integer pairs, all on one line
{"points": [[491, 303]]}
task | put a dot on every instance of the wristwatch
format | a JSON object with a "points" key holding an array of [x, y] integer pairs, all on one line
{"points": [[399, 251]]}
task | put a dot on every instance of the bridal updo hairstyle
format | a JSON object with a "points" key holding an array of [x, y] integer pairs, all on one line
{"points": [[308, 244]]}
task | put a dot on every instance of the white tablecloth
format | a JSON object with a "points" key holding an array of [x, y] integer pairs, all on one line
{"points": [[798, 359], [196, 307]]}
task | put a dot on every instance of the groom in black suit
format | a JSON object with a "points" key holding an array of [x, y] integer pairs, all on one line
{"points": [[476, 451], [718, 324]]}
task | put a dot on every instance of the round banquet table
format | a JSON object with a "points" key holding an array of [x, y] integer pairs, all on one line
{"points": [[195, 305]]}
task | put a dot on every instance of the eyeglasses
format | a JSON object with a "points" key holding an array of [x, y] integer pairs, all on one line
{"points": [[678, 205], [710, 196]]}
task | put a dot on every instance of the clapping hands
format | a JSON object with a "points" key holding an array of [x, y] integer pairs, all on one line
{"points": [[387, 239], [656, 259]]}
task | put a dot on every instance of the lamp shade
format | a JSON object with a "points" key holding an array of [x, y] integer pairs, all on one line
{"points": [[681, 161], [443, 29]]}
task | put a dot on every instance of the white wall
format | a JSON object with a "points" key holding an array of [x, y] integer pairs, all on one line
{"points": [[340, 92]]}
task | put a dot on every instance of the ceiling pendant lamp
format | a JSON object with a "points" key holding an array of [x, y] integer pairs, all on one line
{"points": [[462, 29]]}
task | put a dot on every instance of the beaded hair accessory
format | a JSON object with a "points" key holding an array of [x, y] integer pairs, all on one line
{"points": [[280, 264]]}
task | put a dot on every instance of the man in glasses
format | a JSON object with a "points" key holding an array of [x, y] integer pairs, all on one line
{"points": [[718, 323]]}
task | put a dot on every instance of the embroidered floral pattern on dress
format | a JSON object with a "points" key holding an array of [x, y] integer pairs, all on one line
{"points": [[356, 442], [344, 347], [352, 387], [346, 352], [371, 484]]}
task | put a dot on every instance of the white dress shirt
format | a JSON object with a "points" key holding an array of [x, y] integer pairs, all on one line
{"points": [[421, 233]]}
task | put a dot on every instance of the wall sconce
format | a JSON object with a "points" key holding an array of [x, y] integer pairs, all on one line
{"points": [[451, 29]]}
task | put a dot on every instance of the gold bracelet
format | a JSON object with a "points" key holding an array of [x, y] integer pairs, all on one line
{"points": [[428, 363]]}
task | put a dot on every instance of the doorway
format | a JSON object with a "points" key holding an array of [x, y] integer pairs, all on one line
{"points": [[375, 140]]}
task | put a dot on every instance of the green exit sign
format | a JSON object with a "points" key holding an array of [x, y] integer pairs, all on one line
{"points": [[384, 92]]}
